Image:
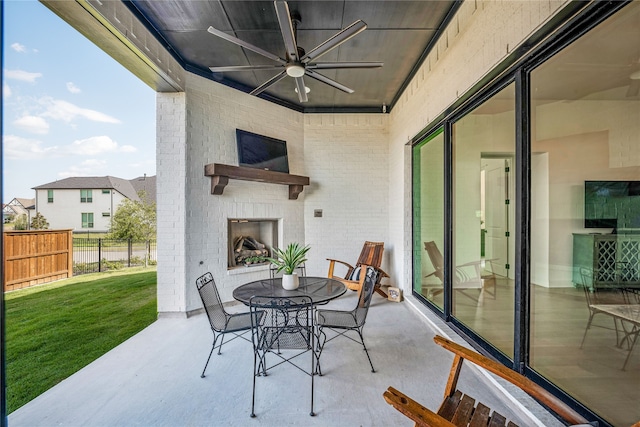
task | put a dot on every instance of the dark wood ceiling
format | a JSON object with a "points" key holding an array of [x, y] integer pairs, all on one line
{"points": [[399, 34]]}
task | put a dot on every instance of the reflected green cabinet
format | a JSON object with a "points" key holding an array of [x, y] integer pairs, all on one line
{"points": [[613, 258]]}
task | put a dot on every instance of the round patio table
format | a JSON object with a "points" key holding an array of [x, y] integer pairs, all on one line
{"points": [[319, 289]]}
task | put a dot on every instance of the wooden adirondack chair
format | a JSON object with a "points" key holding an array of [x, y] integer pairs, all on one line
{"points": [[459, 409], [468, 276], [371, 255]]}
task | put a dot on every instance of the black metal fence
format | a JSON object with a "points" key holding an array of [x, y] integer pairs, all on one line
{"points": [[95, 255]]}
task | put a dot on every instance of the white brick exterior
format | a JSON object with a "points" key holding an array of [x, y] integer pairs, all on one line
{"points": [[359, 165]]}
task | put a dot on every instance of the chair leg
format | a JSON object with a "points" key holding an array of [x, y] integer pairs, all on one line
{"points": [[365, 349], [321, 340], [253, 393], [381, 292], [635, 332], [313, 368], [213, 347], [584, 337], [221, 341]]}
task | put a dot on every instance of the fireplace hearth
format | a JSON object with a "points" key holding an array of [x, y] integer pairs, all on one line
{"points": [[249, 239]]}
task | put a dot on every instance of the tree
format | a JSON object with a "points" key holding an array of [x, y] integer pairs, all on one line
{"points": [[21, 222], [135, 220], [39, 222]]}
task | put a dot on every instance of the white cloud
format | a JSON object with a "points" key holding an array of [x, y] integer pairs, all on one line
{"points": [[67, 112], [18, 47], [128, 149], [6, 91], [89, 167], [16, 147], [93, 146], [33, 124], [23, 148], [71, 87], [21, 75]]}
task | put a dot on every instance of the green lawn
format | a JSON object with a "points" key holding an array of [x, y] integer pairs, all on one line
{"points": [[54, 330]]}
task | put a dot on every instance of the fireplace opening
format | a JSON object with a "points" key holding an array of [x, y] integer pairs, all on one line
{"points": [[249, 240]]}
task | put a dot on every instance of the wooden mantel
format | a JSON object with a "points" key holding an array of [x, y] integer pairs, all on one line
{"points": [[220, 175]]}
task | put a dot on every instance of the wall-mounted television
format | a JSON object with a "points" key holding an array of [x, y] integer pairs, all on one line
{"points": [[612, 204], [261, 152]]}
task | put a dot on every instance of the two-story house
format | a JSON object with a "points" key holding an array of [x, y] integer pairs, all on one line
{"points": [[16, 207], [88, 203]]}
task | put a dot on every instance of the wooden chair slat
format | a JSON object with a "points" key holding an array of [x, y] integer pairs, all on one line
{"points": [[480, 416], [497, 420], [464, 411], [449, 405]]}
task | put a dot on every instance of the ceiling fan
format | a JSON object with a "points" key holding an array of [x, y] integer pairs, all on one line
{"points": [[297, 63]]}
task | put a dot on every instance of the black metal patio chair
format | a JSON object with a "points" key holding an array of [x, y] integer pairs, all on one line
{"points": [[222, 322], [343, 321], [286, 333]]}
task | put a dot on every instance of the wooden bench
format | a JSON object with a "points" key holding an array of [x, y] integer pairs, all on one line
{"points": [[459, 409]]}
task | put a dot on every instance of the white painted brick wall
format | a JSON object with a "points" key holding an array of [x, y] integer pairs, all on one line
{"points": [[171, 201], [214, 113], [346, 158]]}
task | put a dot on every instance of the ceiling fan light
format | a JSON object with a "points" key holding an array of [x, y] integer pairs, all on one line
{"points": [[306, 89], [295, 70], [635, 75]]}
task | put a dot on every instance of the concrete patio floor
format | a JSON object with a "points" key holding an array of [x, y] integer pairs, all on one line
{"points": [[153, 379]]}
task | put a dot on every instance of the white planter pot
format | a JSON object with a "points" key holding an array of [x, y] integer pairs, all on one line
{"points": [[290, 281]]}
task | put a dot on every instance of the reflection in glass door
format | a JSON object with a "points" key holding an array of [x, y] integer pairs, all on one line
{"points": [[585, 115], [428, 217], [495, 216], [483, 293]]}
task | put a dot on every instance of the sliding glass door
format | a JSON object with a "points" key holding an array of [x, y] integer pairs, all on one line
{"points": [[483, 153]]}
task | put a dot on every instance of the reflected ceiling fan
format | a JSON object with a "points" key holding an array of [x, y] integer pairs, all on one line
{"points": [[297, 63], [634, 85]]}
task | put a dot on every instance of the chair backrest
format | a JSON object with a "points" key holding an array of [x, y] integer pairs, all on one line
{"points": [[216, 313], [436, 259], [587, 279], [364, 294], [371, 254], [301, 270], [287, 323], [602, 294]]}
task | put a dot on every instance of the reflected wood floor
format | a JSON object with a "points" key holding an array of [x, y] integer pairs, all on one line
{"points": [[593, 374]]}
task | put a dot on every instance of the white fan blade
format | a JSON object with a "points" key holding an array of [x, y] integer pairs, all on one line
{"points": [[302, 89], [286, 28], [244, 68], [344, 35], [246, 45], [328, 81], [337, 65], [275, 79]]}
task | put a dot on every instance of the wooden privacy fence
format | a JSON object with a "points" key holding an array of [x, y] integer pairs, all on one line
{"points": [[36, 256]]}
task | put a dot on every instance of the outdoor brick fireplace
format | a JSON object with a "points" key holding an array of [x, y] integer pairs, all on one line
{"points": [[250, 238]]}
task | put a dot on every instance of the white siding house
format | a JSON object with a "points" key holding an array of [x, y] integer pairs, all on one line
{"points": [[88, 203]]}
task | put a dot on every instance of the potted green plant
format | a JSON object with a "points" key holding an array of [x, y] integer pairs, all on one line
{"points": [[287, 260]]}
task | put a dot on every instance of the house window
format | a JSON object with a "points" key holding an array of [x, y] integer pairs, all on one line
{"points": [[87, 220], [49, 196], [106, 191], [86, 196]]}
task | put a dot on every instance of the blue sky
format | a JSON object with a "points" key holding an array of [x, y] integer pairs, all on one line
{"points": [[69, 108]]}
